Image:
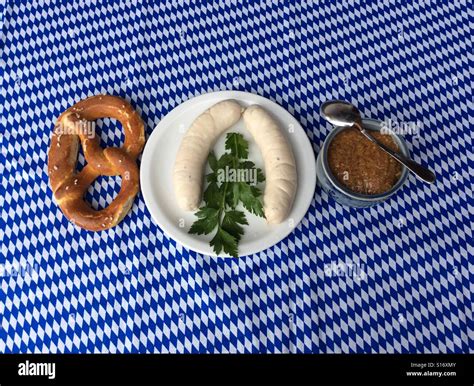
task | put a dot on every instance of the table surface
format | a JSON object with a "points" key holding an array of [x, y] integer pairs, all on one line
{"points": [[393, 278]]}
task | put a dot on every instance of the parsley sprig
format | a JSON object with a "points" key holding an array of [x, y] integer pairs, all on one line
{"points": [[220, 212]]}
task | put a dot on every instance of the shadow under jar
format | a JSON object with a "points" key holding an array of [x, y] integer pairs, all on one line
{"points": [[367, 181]]}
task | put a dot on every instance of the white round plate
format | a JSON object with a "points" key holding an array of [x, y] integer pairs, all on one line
{"points": [[158, 162]]}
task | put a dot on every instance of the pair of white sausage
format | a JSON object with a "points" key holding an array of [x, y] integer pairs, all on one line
{"points": [[280, 166]]}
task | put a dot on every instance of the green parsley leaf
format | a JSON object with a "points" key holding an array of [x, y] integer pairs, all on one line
{"points": [[225, 160], [237, 145], [212, 196], [232, 221], [208, 221], [211, 177], [224, 241], [249, 195], [249, 165]]}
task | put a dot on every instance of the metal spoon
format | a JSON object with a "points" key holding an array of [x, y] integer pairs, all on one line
{"points": [[341, 113]]}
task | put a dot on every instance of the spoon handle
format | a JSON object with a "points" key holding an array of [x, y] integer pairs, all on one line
{"points": [[420, 171]]}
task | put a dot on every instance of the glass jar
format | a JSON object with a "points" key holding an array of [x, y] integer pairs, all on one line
{"points": [[342, 194]]}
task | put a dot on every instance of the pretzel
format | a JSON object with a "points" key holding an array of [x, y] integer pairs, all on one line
{"points": [[70, 186]]}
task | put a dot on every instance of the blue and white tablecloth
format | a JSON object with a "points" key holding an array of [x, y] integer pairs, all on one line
{"points": [[394, 278]]}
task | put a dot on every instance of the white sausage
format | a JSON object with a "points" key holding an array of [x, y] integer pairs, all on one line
{"points": [[194, 150], [280, 165]]}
